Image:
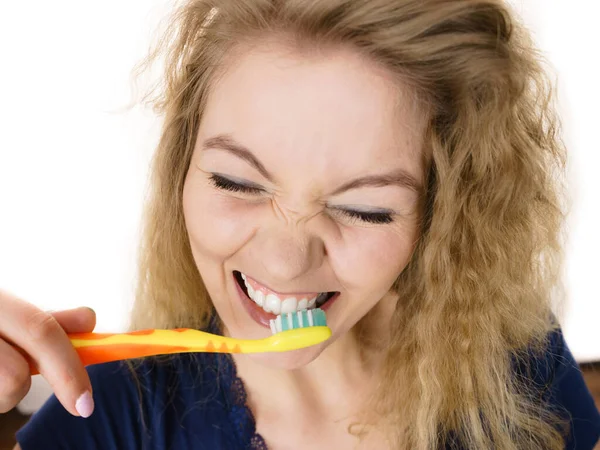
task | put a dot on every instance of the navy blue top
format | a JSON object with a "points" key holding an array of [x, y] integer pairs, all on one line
{"points": [[196, 401]]}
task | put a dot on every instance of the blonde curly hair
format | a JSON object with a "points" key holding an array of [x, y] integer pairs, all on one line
{"points": [[476, 296]]}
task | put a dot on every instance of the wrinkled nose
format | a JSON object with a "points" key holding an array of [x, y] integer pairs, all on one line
{"points": [[287, 256]]}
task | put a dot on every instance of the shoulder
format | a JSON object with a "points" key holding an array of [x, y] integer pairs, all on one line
{"points": [[557, 377], [166, 402]]}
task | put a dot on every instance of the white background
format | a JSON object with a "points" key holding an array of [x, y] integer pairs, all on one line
{"points": [[73, 162]]}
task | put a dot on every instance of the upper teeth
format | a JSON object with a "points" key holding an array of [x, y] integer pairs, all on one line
{"points": [[276, 305]]}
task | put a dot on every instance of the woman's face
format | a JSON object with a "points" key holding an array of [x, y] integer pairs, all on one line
{"points": [[305, 178]]}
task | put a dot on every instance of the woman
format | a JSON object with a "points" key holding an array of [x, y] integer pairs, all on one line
{"points": [[398, 156]]}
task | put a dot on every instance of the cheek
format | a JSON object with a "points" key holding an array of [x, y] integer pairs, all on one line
{"points": [[216, 224], [371, 258]]}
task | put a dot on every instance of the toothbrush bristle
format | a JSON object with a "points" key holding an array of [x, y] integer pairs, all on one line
{"points": [[302, 319]]}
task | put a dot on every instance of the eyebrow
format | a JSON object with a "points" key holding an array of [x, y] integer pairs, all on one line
{"points": [[399, 177], [224, 142]]}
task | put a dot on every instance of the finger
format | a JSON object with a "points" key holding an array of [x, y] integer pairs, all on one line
{"points": [[40, 335], [14, 377], [78, 320]]}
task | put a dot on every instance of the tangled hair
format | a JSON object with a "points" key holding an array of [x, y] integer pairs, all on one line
{"points": [[477, 295]]}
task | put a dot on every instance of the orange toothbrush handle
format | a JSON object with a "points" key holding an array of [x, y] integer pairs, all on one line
{"points": [[95, 348]]}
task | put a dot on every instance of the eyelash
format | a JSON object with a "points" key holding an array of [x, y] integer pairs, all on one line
{"points": [[231, 186], [228, 185], [375, 218]]}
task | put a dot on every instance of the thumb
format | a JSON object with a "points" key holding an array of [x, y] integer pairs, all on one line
{"points": [[78, 320]]}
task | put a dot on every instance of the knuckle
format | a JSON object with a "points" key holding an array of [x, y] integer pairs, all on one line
{"points": [[67, 378], [41, 326], [14, 384], [5, 406]]}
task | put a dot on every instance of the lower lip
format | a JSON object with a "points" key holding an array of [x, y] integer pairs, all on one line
{"points": [[262, 317]]}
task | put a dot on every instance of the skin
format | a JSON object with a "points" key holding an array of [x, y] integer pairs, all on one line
{"points": [[315, 122]]}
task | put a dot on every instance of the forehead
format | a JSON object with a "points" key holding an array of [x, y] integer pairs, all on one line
{"points": [[324, 108]]}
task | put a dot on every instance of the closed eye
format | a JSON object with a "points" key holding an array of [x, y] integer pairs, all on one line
{"points": [[226, 184], [368, 217]]}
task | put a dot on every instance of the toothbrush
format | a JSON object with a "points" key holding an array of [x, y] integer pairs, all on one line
{"points": [[291, 331]]}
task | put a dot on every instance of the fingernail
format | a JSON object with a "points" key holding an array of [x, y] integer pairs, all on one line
{"points": [[85, 404]]}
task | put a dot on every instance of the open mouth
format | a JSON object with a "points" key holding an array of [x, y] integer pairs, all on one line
{"points": [[280, 304]]}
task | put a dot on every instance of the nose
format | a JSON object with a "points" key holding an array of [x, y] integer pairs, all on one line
{"points": [[287, 255]]}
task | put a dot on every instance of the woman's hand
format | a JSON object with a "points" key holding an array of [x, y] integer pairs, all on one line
{"points": [[26, 332]]}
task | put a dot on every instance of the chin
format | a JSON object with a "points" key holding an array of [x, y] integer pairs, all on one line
{"points": [[295, 359]]}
